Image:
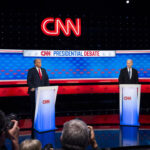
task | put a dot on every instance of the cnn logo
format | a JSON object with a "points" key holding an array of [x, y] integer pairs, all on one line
{"points": [[45, 101], [45, 53], [59, 25], [127, 98]]}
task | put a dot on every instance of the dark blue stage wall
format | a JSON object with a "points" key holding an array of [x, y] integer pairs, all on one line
{"points": [[14, 66]]}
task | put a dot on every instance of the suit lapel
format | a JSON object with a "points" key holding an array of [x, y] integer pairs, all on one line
{"points": [[127, 74], [37, 72], [132, 73]]}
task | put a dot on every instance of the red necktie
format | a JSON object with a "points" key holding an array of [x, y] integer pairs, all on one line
{"points": [[40, 74]]}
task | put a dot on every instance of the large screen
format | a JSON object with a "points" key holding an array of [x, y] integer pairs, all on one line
{"points": [[14, 66]]}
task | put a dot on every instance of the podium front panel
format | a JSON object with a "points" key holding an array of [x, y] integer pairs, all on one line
{"points": [[45, 108], [129, 105]]}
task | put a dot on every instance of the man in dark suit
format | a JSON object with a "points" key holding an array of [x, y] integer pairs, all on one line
{"points": [[128, 75], [37, 77]]}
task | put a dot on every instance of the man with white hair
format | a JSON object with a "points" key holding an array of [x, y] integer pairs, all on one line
{"points": [[76, 135], [128, 75]]}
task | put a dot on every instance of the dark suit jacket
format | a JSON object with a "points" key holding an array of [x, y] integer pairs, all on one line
{"points": [[34, 81], [124, 77]]}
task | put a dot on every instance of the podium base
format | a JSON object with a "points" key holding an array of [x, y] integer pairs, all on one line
{"points": [[46, 130], [133, 125]]}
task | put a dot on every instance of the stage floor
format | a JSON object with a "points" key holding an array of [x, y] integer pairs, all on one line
{"points": [[106, 136]]}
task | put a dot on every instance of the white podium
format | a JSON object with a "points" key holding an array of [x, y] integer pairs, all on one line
{"points": [[44, 119], [130, 104]]}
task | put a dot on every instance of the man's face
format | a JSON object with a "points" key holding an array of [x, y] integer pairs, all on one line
{"points": [[38, 63], [129, 63]]}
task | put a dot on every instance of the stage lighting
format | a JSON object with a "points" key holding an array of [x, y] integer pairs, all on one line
{"points": [[127, 1]]}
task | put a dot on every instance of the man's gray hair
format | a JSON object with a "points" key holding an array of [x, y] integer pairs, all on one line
{"points": [[75, 135], [130, 60]]}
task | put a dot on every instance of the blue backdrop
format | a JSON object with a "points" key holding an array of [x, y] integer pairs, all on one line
{"points": [[14, 66]]}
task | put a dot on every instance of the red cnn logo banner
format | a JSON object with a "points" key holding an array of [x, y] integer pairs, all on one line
{"points": [[59, 25], [127, 98], [46, 101], [45, 53]]}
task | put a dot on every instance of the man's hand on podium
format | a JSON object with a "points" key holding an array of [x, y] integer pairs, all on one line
{"points": [[33, 89]]}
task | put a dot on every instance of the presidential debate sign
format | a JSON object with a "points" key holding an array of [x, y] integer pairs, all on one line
{"points": [[68, 53]]}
